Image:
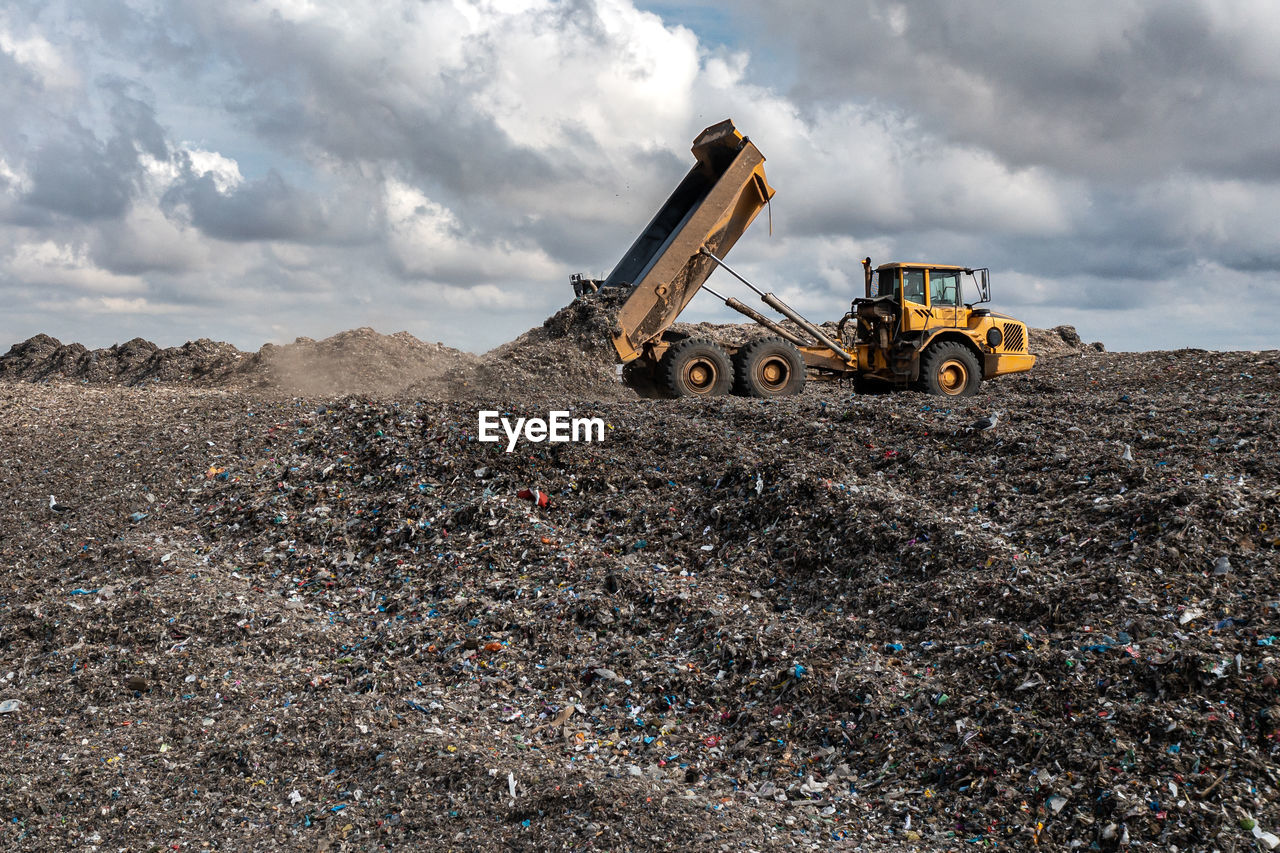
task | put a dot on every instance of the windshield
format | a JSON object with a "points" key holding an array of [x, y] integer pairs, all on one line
{"points": [[944, 288]]}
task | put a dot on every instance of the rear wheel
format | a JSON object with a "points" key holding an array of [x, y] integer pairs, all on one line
{"points": [[950, 369], [768, 367], [695, 367]]}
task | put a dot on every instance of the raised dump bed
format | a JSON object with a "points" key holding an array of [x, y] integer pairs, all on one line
{"points": [[722, 194]]}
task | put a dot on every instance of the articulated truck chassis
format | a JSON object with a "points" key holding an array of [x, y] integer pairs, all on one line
{"points": [[909, 329]]}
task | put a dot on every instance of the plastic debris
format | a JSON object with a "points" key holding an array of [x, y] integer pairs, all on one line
{"points": [[533, 495], [1266, 840], [909, 635]]}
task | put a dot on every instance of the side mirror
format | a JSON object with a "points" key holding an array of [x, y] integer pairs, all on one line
{"points": [[982, 279]]}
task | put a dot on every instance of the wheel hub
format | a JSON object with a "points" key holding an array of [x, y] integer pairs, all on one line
{"points": [[952, 376], [774, 373], [700, 376]]}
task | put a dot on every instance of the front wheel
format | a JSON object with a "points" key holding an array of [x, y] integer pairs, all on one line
{"points": [[950, 369]]}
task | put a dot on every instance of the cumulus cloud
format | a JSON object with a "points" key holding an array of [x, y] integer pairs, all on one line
{"points": [[255, 168], [50, 264], [428, 241]]}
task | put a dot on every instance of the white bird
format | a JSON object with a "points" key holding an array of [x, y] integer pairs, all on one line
{"points": [[57, 508], [985, 424]]}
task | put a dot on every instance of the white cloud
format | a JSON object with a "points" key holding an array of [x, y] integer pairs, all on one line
{"points": [[452, 161], [42, 58], [69, 266], [224, 171], [623, 79], [428, 241], [11, 182], [121, 305]]}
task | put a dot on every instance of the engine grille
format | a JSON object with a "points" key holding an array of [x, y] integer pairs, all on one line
{"points": [[1014, 341]]}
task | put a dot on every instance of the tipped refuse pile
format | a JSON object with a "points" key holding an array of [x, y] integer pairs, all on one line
{"points": [[1059, 342], [44, 358], [569, 357], [831, 621], [361, 361]]}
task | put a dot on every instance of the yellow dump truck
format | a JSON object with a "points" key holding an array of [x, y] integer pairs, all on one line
{"points": [[911, 327]]}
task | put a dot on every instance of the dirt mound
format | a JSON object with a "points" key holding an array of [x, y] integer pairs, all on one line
{"points": [[362, 361], [1061, 341]]}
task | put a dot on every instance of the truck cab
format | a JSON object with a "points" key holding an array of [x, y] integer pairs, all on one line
{"points": [[914, 311]]}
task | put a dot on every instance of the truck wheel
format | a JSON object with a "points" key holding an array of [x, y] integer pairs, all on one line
{"points": [[768, 367], [695, 367], [950, 369]]}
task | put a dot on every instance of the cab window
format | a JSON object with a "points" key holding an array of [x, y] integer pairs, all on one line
{"points": [[887, 281], [913, 286], [944, 288]]}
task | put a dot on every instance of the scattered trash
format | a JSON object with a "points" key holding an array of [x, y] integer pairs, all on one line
{"points": [[1266, 840], [537, 497], [8, 706], [1011, 637]]}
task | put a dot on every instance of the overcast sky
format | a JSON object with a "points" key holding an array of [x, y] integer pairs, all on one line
{"points": [[255, 170]]}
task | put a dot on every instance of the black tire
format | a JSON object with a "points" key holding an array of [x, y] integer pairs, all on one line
{"points": [[695, 367], [950, 369], [768, 367]]}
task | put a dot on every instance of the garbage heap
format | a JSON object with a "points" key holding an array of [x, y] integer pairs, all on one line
{"points": [[831, 619], [44, 358], [1040, 633], [570, 356]]}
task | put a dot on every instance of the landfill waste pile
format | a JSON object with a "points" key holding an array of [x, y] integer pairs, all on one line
{"points": [[356, 361], [44, 358], [361, 361], [239, 619], [1060, 341], [568, 357]]}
